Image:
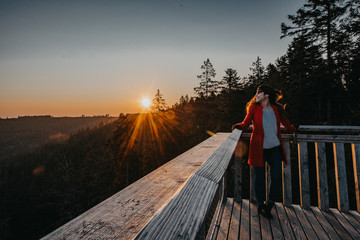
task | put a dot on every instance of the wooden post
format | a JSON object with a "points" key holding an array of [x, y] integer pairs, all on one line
{"points": [[321, 174], [286, 177], [341, 179], [225, 187], [355, 149], [238, 172], [252, 184], [304, 175], [267, 180]]}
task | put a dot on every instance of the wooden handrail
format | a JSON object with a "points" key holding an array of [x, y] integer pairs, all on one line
{"points": [[183, 217]]}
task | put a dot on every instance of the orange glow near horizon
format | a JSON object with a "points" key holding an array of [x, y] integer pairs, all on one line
{"points": [[70, 107]]}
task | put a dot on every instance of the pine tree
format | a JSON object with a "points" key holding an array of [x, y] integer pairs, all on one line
{"points": [[258, 73], [158, 103], [208, 86], [230, 81], [318, 21]]}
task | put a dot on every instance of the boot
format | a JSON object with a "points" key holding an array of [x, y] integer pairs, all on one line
{"points": [[261, 208], [268, 206]]}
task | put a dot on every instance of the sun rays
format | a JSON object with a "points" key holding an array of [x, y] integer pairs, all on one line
{"points": [[152, 130]]}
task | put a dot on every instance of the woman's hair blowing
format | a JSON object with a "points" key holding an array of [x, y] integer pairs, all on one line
{"points": [[274, 96]]}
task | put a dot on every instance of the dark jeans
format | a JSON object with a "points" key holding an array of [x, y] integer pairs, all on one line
{"points": [[273, 157]]}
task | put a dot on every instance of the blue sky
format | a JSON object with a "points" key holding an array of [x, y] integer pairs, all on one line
{"points": [[98, 57]]}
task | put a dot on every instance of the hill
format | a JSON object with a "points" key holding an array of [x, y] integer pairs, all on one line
{"points": [[24, 134]]}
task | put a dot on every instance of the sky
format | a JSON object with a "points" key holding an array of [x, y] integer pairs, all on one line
{"points": [[97, 57]]}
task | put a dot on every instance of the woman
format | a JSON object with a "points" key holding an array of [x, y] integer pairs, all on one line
{"points": [[266, 114]]}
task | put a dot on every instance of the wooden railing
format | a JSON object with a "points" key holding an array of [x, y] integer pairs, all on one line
{"points": [[185, 215], [194, 211], [184, 198]]}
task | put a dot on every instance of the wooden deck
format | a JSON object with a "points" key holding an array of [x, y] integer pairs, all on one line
{"points": [[241, 221]]}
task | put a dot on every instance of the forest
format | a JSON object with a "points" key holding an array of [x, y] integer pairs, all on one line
{"points": [[25, 133], [319, 76]]}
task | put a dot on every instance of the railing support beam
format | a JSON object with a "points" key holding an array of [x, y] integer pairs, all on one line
{"points": [[304, 175], [355, 149], [340, 177], [321, 173]]}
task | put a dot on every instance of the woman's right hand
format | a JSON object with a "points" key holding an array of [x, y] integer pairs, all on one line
{"points": [[236, 126]]}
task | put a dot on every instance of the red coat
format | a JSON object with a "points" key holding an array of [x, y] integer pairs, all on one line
{"points": [[254, 116]]}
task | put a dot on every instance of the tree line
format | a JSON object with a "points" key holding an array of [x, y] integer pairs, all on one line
{"points": [[319, 73]]}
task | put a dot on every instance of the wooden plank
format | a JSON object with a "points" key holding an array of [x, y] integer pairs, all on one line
{"points": [[286, 177], [336, 225], [355, 149], [124, 214], [304, 222], [252, 185], [215, 166], [295, 224], [254, 223], [340, 177], [225, 220], [265, 228], [235, 222], [267, 181], [245, 220], [321, 174], [355, 214], [352, 220], [275, 225], [237, 180], [328, 138], [304, 175], [347, 226], [284, 222], [215, 223], [325, 224], [240, 151], [324, 128], [185, 213], [315, 138], [316, 225]]}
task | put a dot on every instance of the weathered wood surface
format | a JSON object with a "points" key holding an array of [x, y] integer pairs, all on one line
{"points": [[123, 215], [328, 138], [183, 216], [341, 179], [355, 149], [225, 221], [315, 138], [240, 151], [321, 174], [304, 175], [289, 223], [286, 175], [326, 128], [235, 221]]}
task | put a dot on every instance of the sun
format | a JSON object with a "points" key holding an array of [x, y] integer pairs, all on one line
{"points": [[145, 102]]}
